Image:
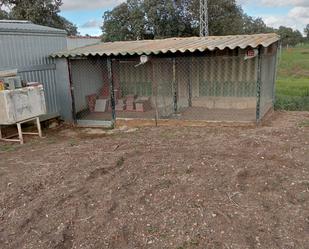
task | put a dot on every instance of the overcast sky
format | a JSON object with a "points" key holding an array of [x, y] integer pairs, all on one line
{"points": [[87, 14]]}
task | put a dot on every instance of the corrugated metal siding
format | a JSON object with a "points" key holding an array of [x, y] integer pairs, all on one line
{"points": [[77, 42], [27, 27], [29, 53]]}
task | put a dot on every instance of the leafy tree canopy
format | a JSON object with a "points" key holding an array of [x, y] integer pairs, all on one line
{"points": [[307, 31], [148, 19], [289, 36], [43, 12]]}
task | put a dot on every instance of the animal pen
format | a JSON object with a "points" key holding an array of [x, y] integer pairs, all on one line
{"points": [[196, 79]]}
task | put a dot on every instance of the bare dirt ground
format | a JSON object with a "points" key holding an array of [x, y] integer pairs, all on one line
{"points": [[162, 187]]}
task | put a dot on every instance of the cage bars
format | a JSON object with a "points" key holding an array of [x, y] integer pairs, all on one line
{"points": [[112, 89], [258, 86], [175, 86], [194, 88], [72, 91], [190, 82]]}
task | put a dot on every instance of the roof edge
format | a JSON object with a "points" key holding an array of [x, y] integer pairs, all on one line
{"points": [[77, 52]]}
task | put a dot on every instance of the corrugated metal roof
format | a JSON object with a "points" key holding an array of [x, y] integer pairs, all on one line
{"points": [[173, 45], [27, 27]]}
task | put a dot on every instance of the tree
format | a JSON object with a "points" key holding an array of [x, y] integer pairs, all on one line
{"points": [[289, 36], [225, 16], [148, 19], [3, 15], [43, 12], [255, 26], [61, 23], [138, 19], [124, 22], [306, 31]]}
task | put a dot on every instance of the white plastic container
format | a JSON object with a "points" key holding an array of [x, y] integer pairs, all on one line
{"points": [[21, 104]]}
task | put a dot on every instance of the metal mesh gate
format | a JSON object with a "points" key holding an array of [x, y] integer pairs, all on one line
{"points": [[268, 77], [91, 90]]}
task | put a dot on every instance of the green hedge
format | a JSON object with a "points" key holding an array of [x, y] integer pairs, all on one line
{"points": [[292, 103]]}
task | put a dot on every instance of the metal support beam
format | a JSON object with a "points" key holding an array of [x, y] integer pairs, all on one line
{"points": [[72, 91], [204, 32], [278, 45], [111, 86], [190, 82], [175, 87], [155, 90], [258, 87]]}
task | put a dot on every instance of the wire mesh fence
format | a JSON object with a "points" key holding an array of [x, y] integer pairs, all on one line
{"points": [[268, 77], [217, 86], [92, 95]]}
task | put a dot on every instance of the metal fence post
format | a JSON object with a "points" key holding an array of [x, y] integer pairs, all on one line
{"points": [[278, 45], [111, 86], [72, 91], [190, 82], [258, 86], [174, 86]]}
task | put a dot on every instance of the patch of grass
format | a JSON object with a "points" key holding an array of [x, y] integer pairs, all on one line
{"points": [[304, 123], [292, 103], [294, 62], [51, 140], [168, 134], [292, 87], [120, 162], [189, 171], [189, 244], [152, 229], [73, 142], [7, 148]]}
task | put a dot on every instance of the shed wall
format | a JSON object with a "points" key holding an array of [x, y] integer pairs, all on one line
{"points": [[29, 53]]}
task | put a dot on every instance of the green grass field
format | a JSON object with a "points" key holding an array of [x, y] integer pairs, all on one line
{"points": [[292, 87]]}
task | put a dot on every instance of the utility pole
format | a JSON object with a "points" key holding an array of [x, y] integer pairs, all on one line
{"points": [[204, 18]]}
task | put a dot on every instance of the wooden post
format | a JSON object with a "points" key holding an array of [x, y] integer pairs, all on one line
{"points": [[20, 133], [38, 125]]}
